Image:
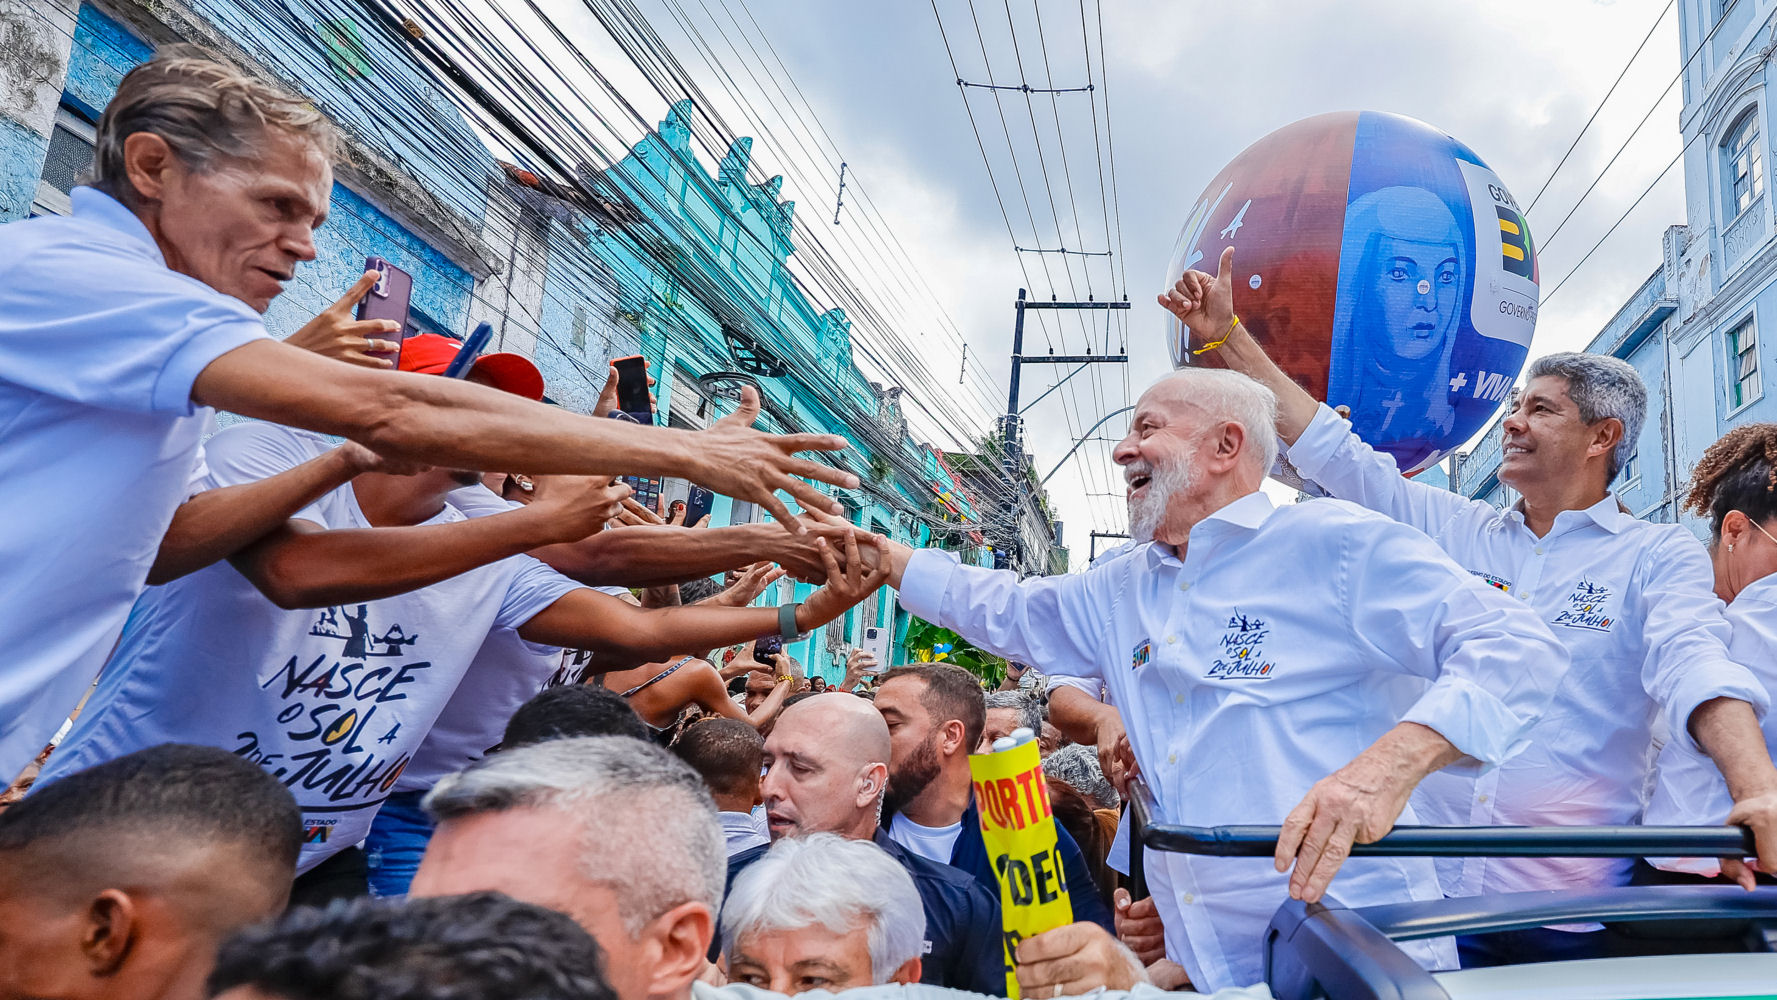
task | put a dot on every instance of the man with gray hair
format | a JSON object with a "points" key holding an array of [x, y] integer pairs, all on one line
{"points": [[1319, 704], [1631, 602], [1007, 712], [614, 832], [121, 324], [794, 923]]}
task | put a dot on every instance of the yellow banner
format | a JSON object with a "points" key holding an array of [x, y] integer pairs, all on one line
{"points": [[1019, 830]]}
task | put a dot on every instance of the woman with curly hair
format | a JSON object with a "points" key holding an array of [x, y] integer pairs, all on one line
{"points": [[1735, 486]]}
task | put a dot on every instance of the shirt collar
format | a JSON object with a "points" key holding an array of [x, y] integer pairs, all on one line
{"points": [[1762, 589], [1607, 513], [92, 205], [1248, 512]]}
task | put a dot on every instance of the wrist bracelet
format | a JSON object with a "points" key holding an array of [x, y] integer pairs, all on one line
{"points": [[786, 622], [1212, 346]]}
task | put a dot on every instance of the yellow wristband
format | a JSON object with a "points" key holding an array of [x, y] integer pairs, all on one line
{"points": [[1210, 347]]}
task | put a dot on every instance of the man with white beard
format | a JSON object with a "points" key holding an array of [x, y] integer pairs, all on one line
{"points": [[1304, 665]]}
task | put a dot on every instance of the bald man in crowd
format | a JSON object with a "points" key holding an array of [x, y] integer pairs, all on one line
{"points": [[826, 768], [121, 881]]}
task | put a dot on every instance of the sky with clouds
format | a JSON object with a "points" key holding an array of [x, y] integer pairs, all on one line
{"points": [[1186, 84]]}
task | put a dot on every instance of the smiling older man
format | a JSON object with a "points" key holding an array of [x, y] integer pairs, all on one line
{"points": [[1305, 665], [120, 324]]}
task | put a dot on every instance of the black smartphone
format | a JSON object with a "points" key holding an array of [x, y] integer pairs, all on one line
{"points": [[632, 388], [390, 298], [698, 503], [766, 648]]}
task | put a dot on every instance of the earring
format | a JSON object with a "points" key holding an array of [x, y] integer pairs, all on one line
{"points": [[1730, 546]]}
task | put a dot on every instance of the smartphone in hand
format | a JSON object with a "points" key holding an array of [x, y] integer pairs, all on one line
{"points": [[632, 388], [698, 503], [390, 298]]}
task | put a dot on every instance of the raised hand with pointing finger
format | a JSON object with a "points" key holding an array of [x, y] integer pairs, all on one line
{"points": [[336, 333], [1204, 303]]}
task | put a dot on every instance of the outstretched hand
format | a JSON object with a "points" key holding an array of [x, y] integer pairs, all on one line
{"points": [[577, 506], [736, 460], [1204, 303], [751, 583], [336, 333], [845, 587]]}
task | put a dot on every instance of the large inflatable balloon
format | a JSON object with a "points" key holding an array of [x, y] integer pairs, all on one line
{"points": [[1382, 265]]}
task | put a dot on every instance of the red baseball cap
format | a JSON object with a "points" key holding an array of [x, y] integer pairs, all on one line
{"points": [[431, 354]]}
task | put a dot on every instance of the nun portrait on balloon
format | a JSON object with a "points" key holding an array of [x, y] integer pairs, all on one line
{"points": [[1402, 271], [1383, 264]]}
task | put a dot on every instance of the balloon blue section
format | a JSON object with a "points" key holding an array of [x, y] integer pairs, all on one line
{"points": [[1405, 354]]}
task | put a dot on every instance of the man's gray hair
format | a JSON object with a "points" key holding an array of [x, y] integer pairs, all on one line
{"points": [[1601, 386], [649, 827], [1077, 764], [1030, 710], [1229, 395], [209, 113], [836, 883]]}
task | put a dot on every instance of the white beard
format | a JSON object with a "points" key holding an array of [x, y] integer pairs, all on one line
{"points": [[1167, 480]]}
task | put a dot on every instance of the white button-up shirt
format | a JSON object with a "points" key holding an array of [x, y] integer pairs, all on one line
{"points": [[100, 344], [1283, 644], [1630, 600], [1688, 790]]}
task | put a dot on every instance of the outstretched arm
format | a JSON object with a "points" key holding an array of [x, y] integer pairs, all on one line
{"points": [[1051, 622], [657, 555], [215, 524], [449, 422], [587, 619], [300, 565]]}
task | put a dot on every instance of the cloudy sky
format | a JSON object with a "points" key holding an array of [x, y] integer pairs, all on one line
{"points": [[1190, 84]]}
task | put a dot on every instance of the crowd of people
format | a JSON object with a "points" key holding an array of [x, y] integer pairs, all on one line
{"points": [[442, 711]]}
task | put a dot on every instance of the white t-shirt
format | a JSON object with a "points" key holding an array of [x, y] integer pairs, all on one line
{"points": [[333, 702], [99, 347], [508, 670], [934, 843]]}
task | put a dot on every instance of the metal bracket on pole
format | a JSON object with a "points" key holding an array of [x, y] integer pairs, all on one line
{"points": [[1012, 451]]}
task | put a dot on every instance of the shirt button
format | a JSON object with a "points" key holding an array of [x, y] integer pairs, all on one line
{"points": [[1172, 758], [1185, 586], [1171, 639], [1178, 699], [1190, 898], [1539, 550], [1483, 800]]}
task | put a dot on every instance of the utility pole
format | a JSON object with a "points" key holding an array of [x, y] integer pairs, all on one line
{"points": [[1012, 446], [1096, 535]]}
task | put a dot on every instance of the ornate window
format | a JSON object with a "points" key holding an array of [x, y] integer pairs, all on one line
{"points": [[1743, 167], [1744, 385]]}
